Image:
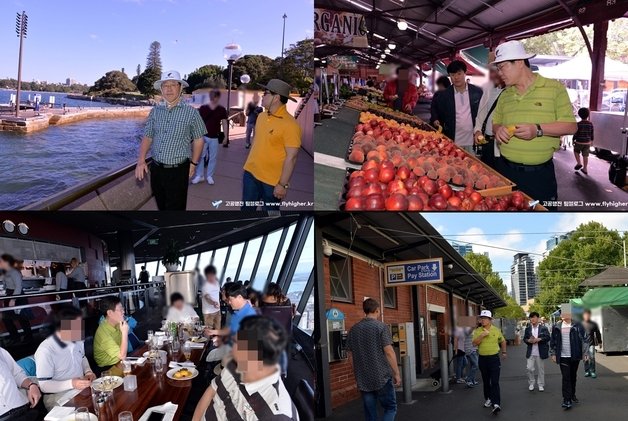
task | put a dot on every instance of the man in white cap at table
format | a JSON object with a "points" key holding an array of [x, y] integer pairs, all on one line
{"points": [[272, 159], [489, 339], [174, 135], [532, 113]]}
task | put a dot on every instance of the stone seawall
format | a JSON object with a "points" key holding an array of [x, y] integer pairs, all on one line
{"points": [[36, 123]]}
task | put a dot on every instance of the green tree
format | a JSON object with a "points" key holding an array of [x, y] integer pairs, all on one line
{"points": [[113, 82], [297, 67], [154, 56], [590, 248], [138, 71], [146, 81], [482, 265], [255, 66], [204, 76]]}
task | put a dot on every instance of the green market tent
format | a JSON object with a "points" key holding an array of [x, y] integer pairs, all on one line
{"points": [[614, 275], [601, 297]]}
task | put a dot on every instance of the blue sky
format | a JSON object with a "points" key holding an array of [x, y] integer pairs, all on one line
{"points": [[83, 39], [524, 232]]}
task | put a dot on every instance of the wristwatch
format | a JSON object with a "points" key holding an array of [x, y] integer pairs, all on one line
{"points": [[285, 186], [539, 131], [194, 163]]}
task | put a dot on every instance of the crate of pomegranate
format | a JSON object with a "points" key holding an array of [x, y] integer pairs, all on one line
{"points": [[378, 187], [402, 149]]}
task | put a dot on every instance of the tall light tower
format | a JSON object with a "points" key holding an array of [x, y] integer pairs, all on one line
{"points": [[21, 24], [283, 37]]}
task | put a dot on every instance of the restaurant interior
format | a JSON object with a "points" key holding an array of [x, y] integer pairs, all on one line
{"points": [[114, 249]]}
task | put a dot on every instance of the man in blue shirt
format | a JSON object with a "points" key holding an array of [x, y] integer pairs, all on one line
{"points": [[237, 299]]}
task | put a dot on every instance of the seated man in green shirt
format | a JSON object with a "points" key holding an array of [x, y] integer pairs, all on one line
{"points": [[112, 336], [531, 115]]}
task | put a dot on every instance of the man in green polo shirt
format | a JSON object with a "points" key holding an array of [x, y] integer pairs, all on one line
{"points": [[489, 339], [112, 335], [532, 114]]}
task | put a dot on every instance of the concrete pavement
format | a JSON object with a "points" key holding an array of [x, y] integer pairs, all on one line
{"points": [[602, 399]]}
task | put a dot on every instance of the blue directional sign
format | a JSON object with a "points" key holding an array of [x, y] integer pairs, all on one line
{"points": [[414, 272]]}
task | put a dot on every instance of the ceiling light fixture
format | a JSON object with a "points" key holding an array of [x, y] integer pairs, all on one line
{"points": [[378, 36], [402, 25], [387, 51], [383, 56], [392, 46]]}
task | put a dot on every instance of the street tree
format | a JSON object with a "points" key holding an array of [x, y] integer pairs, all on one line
{"points": [[205, 77], [113, 82], [154, 56], [146, 81]]}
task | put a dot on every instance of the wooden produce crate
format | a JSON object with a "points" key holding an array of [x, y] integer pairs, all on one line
{"points": [[495, 191]]}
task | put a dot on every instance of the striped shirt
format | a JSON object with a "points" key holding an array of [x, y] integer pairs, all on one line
{"points": [[545, 101], [264, 400], [172, 132], [565, 350], [584, 133]]}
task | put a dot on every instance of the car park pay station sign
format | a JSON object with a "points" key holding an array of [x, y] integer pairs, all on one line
{"points": [[414, 272]]}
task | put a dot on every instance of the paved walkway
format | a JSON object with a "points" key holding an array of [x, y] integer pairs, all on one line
{"points": [[601, 399]]}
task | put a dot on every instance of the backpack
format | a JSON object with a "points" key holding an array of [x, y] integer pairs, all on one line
{"points": [[617, 171]]}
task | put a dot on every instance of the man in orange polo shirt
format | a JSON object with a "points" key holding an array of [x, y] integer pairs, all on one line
{"points": [[269, 167]]}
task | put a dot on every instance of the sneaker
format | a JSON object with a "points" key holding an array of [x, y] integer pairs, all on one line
{"points": [[461, 381], [574, 399], [568, 405], [593, 375], [577, 167], [531, 387], [496, 409], [488, 403], [541, 389], [587, 374], [225, 145], [475, 382], [470, 384], [585, 171], [210, 180], [247, 146], [197, 179]]}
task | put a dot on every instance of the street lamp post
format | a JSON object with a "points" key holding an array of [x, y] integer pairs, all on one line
{"points": [[283, 36], [623, 244], [231, 52], [21, 23]]}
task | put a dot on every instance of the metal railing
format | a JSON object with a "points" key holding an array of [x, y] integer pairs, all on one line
{"points": [[73, 194]]}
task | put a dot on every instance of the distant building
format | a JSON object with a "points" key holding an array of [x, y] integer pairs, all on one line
{"points": [[554, 241], [524, 282], [70, 82], [462, 249]]}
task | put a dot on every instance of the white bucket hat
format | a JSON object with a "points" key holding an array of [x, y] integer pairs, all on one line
{"points": [[511, 50], [486, 313], [170, 75]]}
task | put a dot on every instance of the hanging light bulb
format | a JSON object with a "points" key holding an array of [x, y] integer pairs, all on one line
{"points": [[383, 56], [392, 46], [387, 51], [402, 25]]}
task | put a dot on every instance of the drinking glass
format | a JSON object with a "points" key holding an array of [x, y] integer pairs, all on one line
{"points": [[107, 382], [175, 345], [187, 351], [81, 414], [150, 333], [126, 367], [98, 399], [159, 365], [125, 416]]}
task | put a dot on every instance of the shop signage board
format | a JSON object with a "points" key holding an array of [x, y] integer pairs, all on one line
{"points": [[346, 29], [343, 62], [414, 272]]}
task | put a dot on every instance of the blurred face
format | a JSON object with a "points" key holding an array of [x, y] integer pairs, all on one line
{"points": [[211, 277], [214, 100], [236, 303], [485, 321], [534, 320], [72, 330], [458, 79], [246, 355], [566, 317], [117, 315], [511, 72], [171, 90], [403, 74], [178, 305], [586, 316], [4, 264], [494, 76], [256, 98]]}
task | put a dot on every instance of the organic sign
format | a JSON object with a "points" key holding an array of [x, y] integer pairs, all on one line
{"points": [[343, 62], [414, 272], [339, 28]]}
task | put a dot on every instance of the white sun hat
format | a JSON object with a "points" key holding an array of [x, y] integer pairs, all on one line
{"points": [[170, 75], [511, 50], [486, 313]]}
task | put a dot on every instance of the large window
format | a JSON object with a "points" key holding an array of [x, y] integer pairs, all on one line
{"points": [[205, 260], [272, 242], [340, 276], [307, 316], [234, 261], [303, 269], [249, 259], [190, 262], [282, 254], [219, 261]]}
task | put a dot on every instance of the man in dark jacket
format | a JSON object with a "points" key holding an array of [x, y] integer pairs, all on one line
{"points": [[568, 345], [595, 339], [456, 108], [537, 338]]}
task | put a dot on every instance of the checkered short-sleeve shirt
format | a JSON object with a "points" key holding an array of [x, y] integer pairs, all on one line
{"points": [[366, 341], [172, 132]]}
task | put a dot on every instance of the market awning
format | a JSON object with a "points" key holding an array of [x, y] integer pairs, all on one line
{"points": [[390, 237], [601, 297], [437, 29], [471, 69], [614, 275]]}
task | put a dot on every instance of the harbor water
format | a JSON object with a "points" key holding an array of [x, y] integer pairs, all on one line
{"points": [[60, 99]]}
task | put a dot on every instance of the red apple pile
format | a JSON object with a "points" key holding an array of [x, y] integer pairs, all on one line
{"points": [[380, 186]]}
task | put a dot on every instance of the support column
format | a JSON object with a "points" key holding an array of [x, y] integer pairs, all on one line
{"points": [[597, 68], [127, 252], [323, 381]]}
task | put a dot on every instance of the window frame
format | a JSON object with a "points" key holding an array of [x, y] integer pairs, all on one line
{"points": [[349, 260]]}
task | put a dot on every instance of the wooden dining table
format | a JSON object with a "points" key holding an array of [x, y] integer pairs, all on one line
{"points": [[153, 389]]}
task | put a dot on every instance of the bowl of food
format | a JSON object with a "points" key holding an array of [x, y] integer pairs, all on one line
{"points": [[182, 373]]}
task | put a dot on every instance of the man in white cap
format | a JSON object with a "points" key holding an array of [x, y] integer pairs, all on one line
{"points": [[269, 167], [531, 115], [569, 344], [489, 339], [174, 135]]}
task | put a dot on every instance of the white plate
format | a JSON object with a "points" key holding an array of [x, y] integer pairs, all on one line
{"points": [[198, 340], [171, 372], [117, 382], [72, 417]]}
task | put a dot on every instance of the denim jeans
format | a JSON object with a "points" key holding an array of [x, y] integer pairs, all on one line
{"points": [[459, 363], [490, 367], [210, 149], [590, 364], [472, 361], [250, 133], [387, 399], [254, 190]]}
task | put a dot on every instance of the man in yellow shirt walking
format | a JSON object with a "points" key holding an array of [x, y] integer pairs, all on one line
{"points": [[272, 159], [489, 339]]}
